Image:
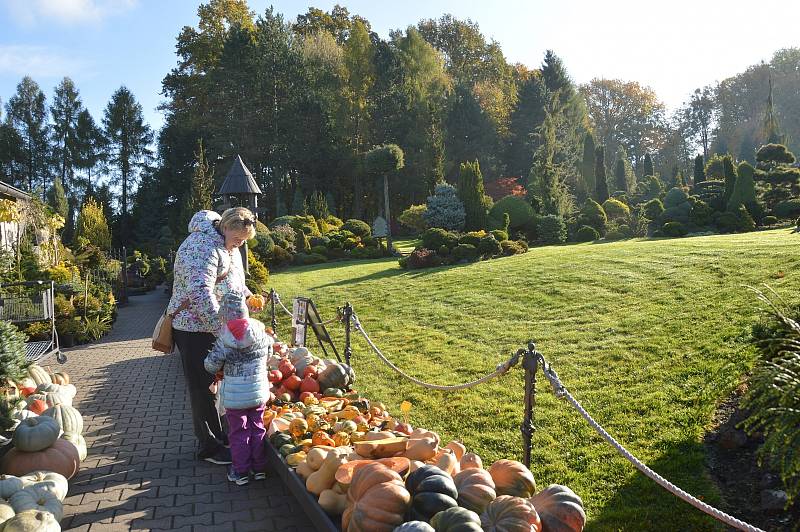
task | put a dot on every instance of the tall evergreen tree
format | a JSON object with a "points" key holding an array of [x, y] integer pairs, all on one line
{"points": [[744, 191], [128, 138], [57, 199], [65, 111], [647, 167], [601, 185], [470, 191], [526, 118], [27, 114], [587, 162], [771, 129], [620, 179], [91, 147], [199, 197], [699, 169], [11, 152], [729, 173]]}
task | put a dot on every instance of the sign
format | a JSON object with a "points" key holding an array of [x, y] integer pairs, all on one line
{"points": [[299, 314]]}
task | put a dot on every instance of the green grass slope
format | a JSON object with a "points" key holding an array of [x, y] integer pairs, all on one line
{"points": [[648, 334]]}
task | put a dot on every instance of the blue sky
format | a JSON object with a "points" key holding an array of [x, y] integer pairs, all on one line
{"points": [[671, 46]]}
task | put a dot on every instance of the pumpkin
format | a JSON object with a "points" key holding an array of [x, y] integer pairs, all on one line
{"points": [[457, 448], [6, 512], [9, 484], [309, 384], [425, 433], [36, 405], [333, 502], [39, 375], [414, 526], [279, 439], [49, 480], [35, 433], [475, 489], [560, 509], [335, 375], [421, 449], [301, 359], [341, 438], [298, 427], [321, 438], [67, 417], [325, 477], [471, 460], [60, 377], [432, 491], [32, 521], [51, 398], [510, 514], [512, 478], [61, 457], [79, 443], [344, 475], [24, 414], [37, 498], [376, 500], [456, 520], [67, 390]]}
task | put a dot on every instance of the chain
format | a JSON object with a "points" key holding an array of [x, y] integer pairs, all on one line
{"points": [[501, 369]]}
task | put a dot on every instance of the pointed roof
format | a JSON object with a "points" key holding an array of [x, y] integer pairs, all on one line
{"points": [[239, 180]]}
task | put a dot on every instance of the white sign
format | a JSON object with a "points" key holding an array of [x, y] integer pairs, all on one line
{"points": [[299, 311]]}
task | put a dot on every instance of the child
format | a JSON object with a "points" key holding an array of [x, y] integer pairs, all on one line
{"points": [[241, 351]]}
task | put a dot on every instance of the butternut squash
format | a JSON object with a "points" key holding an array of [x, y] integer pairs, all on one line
{"points": [[421, 449], [381, 448], [316, 456], [447, 462], [304, 470], [415, 464], [332, 502], [418, 433], [382, 435], [471, 460], [458, 448], [325, 477]]}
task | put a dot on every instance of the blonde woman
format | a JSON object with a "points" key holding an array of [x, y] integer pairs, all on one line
{"points": [[208, 265]]}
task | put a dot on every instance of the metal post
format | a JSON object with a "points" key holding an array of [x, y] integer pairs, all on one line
{"points": [[530, 361], [124, 294], [274, 319], [348, 314]]}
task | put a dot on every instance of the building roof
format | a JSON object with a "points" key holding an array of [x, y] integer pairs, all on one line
{"points": [[14, 192], [239, 180]]}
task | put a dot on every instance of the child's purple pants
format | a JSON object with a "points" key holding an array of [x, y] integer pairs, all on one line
{"points": [[246, 434]]}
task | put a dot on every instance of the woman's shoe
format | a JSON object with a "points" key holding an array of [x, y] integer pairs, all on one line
{"points": [[221, 456]]}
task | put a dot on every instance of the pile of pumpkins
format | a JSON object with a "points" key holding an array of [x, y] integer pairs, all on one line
{"points": [[47, 449], [295, 373], [379, 474]]}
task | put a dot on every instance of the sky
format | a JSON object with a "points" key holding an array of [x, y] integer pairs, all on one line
{"points": [[673, 46]]}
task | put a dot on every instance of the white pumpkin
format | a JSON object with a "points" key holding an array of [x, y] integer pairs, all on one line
{"points": [[39, 375], [49, 480], [77, 440], [26, 382], [6, 512], [37, 498], [68, 418], [9, 485], [32, 521]]}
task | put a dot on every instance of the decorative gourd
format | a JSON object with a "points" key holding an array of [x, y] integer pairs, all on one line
{"points": [[414, 526], [322, 438], [332, 502], [458, 449], [9, 484], [510, 514], [376, 500], [470, 460], [79, 443], [32, 521], [381, 448], [432, 491], [456, 520], [60, 377], [61, 457], [295, 459], [345, 473], [421, 449], [6, 512], [67, 417], [475, 489], [512, 478], [298, 427], [39, 375], [37, 498], [325, 477], [49, 480], [341, 438], [560, 509], [35, 433], [348, 427]]}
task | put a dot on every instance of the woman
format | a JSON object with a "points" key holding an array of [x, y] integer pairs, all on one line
{"points": [[207, 266]]}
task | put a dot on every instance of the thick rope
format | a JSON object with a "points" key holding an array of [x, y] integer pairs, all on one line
{"points": [[502, 369], [561, 392], [279, 302]]}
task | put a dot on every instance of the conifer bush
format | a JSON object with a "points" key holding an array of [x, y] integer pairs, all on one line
{"points": [[357, 227], [552, 229], [587, 234], [519, 211], [593, 215], [444, 209]]}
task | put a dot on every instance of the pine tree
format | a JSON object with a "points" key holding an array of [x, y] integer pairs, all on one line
{"points": [[471, 192], [601, 185], [620, 179], [28, 116], [729, 172], [587, 164], [771, 130], [65, 111], [699, 170], [57, 199], [298, 201], [648, 165], [199, 197]]}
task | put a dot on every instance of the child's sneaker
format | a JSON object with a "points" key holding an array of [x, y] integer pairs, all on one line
{"points": [[261, 475], [238, 478]]}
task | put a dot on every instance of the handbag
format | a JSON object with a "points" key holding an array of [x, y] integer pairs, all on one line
{"points": [[162, 334]]}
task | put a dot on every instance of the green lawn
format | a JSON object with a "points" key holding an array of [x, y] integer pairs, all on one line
{"points": [[648, 334]]}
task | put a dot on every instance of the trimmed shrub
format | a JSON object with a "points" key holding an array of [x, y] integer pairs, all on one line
{"points": [[674, 197], [279, 257], [701, 213], [262, 244], [357, 227], [674, 229], [735, 221], [769, 220], [615, 209], [319, 250], [444, 209], [305, 259], [435, 237], [465, 251], [615, 234], [334, 221], [552, 229], [519, 211], [593, 215], [512, 247], [472, 238], [653, 209], [587, 234], [315, 241], [489, 246], [444, 251], [420, 258], [787, 209], [414, 218], [499, 235], [282, 220]]}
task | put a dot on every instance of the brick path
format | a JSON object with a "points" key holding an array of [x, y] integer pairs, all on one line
{"points": [[140, 473]]}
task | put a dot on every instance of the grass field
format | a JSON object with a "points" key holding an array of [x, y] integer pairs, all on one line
{"points": [[648, 334]]}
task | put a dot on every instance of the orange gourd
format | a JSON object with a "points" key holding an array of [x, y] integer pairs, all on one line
{"points": [[512, 478], [340, 439], [322, 438], [510, 514], [376, 500]]}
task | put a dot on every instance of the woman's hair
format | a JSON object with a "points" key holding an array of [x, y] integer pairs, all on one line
{"points": [[238, 219]]}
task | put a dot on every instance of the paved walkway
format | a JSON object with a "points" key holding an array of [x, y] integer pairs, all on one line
{"points": [[140, 473]]}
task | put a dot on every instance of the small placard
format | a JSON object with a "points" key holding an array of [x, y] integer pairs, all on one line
{"points": [[380, 229], [299, 312]]}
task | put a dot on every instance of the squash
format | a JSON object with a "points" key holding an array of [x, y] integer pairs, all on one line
{"points": [[510, 514], [49, 480], [32, 521], [6, 512], [344, 475], [39, 499], [432, 491], [471, 460], [381, 448], [336, 375], [341, 438], [67, 390], [376, 500], [424, 433], [295, 459], [68, 418], [560, 509], [415, 464], [316, 456], [60, 377], [61, 457], [421, 449], [303, 470], [346, 426], [456, 520], [475, 489], [51, 398], [39, 375], [414, 526], [79, 443], [300, 358], [35, 434], [9, 484], [24, 414], [35, 405], [458, 449], [322, 438], [332, 502], [279, 439], [325, 477], [298, 427], [445, 460], [382, 435], [512, 478]]}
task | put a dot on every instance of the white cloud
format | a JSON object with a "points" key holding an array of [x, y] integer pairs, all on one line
{"points": [[37, 61], [66, 12]]}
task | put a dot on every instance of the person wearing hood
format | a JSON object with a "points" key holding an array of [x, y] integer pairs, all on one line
{"points": [[207, 266], [241, 352]]}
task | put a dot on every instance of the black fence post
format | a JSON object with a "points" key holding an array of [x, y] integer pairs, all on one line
{"points": [[348, 314], [124, 291], [530, 362], [274, 319]]}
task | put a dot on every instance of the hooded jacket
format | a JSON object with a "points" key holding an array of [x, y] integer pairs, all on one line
{"points": [[200, 261], [244, 363]]}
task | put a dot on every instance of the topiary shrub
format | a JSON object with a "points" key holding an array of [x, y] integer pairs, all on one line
{"points": [[735, 221], [334, 221], [674, 229], [788, 209], [616, 209], [769, 220], [319, 250], [587, 234], [519, 211], [653, 209], [513, 247], [551, 229], [615, 234], [472, 238], [282, 220], [489, 247], [499, 234], [305, 259], [414, 218], [593, 215], [420, 258], [357, 227], [435, 237], [701, 213], [444, 209], [465, 252], [279, 257]]}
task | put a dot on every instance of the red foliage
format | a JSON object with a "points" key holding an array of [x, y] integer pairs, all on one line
{"points": [[505, 186]]}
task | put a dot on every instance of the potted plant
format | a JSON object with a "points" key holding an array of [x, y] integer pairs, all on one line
{"points": [[67, 330]]}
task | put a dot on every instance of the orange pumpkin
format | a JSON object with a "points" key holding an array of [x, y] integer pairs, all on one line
{"points": [[512, 478], [470, 460], [475, 489], [60, 377], [61, 457], [37, 406], [321, 438], [560, 509], [376, 500], [510, 514]]}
